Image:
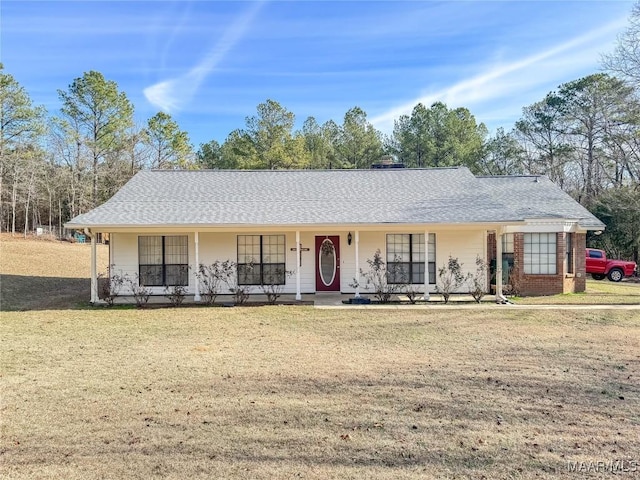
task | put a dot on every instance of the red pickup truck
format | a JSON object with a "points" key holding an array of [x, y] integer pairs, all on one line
{"points": [[599, 267]]}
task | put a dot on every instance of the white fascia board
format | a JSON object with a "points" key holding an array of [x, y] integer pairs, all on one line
{"points": [[545, 225], [386, 227]]}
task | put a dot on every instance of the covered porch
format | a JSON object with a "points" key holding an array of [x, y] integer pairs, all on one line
{"points": [[316, 259]]}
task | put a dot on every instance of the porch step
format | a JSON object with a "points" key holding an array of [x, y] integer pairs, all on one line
{"points": [[324, 299]]}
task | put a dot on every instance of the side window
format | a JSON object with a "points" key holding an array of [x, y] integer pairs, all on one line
{"points": [[540, 253]]}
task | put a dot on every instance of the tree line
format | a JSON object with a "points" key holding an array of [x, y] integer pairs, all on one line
{"points": [[584, 135]]}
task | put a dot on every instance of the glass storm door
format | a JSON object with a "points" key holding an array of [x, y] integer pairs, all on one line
{"points": [[328, 264]]}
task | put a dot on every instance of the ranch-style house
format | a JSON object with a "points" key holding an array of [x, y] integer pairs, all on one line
{"points": [[321, 226]]}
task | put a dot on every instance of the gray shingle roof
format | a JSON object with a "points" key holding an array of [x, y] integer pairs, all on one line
{"points": [[537, 197], [307, 197]]}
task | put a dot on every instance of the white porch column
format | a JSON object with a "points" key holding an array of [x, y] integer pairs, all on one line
{"points": [[499, 235], [94, 269], [357, 277], [110, 251], [196, 296], [298, 261], [426, 266]]}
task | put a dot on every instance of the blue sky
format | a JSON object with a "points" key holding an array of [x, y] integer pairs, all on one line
{"points": [[210, 63]]}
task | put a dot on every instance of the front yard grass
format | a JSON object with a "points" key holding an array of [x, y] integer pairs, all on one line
{"points": [[598, 292], [288, 392], [297, 392], [45, 274]]}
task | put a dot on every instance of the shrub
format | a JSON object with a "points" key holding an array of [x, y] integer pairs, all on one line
{"points": [[176, 294], [212, 277], [513, 288], [450, 278], [230, 277], [110, 285], [240, 293], [270, 285], [139, 292], [478, 280], [412, 292], [378, 275]]}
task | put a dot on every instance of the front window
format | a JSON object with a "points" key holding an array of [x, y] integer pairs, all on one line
{"points": [[508, 249], [406, 258], [540, 253], [508, 256], [163, 260], [261, 260]]}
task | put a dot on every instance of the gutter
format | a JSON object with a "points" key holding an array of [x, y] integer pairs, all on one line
{"points": [[288, 226]]}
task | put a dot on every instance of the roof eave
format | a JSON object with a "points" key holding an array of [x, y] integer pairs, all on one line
{"points": [[290, 226]]}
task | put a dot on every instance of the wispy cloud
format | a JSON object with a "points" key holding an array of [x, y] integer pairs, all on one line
{"points": [[510, 78], [176, 31], [172, 94]]}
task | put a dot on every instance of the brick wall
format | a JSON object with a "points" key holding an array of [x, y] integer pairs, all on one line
{"points": [[581, 262], [491, 247], [561, 282], [576, 282], [539, 284]]}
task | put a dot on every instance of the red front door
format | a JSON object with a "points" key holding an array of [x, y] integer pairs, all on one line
{"points": [[328, 264]]}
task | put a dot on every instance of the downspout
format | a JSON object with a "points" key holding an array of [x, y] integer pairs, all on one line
{"points": [[196, 239], [357, 277], [426, 266], [298, 266], [500, 298]]}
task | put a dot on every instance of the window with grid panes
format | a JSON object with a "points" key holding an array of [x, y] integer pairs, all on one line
{"points": [[508, 248], [261, 260], [405, 258], [163, 260], [540, 253], [508, 254]]}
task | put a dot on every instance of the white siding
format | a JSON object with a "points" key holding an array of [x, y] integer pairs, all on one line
{"points": [[369, 243], [308, 269], [464, 245], [223, 246], [124, 255]]}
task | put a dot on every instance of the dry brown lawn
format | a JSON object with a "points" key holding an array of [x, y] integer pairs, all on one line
{"points": [[43, 274], [296, 392], [601, 292]]}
